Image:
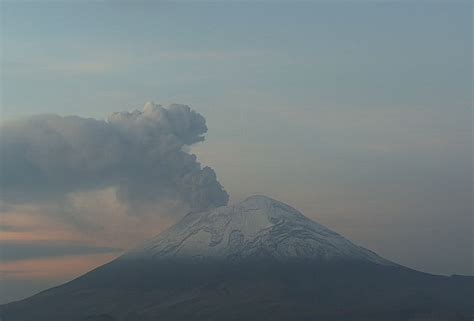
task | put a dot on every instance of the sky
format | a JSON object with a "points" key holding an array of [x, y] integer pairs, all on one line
{"points": [[356, 113]]}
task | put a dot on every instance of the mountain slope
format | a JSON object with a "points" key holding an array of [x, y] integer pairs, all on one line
{"points": [[258, 260]]}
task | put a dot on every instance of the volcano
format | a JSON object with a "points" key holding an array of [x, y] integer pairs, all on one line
{"points": [[258, 260]]}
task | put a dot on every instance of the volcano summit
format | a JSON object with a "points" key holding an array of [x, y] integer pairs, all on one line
{"points": [[258, 260], [258, 227]]}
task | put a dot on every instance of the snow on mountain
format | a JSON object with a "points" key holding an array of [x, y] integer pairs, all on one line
{"points": [[256, 227]]}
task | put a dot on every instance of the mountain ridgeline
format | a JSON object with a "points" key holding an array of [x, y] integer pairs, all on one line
{"points": [[258, 260]]}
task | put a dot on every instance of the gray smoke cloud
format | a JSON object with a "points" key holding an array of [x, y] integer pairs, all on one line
{"points": [[141, 153]]}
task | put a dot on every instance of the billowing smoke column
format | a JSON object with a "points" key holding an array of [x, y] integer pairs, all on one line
{"points": [[141, 153]]}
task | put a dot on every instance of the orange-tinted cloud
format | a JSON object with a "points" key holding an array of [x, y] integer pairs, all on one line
{"points": [[58, 268], [93, 218]]}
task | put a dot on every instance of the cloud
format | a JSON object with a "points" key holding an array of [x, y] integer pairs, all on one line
{"points": [[11, 251], [140, 153], [11, 228]]}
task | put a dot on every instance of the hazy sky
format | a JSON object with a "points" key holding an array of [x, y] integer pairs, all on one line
{"points": [[356, 113]]}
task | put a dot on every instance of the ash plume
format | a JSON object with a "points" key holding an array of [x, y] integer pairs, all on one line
{"points": [[141, 153]]}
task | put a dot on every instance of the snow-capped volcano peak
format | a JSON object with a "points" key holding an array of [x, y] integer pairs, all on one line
{"points": [[258, 227]]}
